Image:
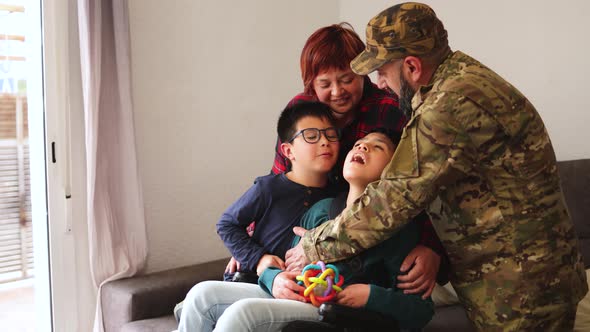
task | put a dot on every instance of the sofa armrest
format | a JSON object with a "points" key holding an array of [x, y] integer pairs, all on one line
{"points": [[575, 183], [154, 294]]}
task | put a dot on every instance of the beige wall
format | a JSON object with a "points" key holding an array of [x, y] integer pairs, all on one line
{"points": [[539, 46], [209, 80]]}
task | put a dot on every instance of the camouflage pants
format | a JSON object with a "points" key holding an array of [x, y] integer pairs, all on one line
{"points": [[555, 317]]}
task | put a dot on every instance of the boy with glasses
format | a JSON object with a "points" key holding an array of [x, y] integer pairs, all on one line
{"points": [[276, 202]]}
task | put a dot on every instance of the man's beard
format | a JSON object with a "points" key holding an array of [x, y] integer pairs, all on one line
{"points": [[405, 96]]}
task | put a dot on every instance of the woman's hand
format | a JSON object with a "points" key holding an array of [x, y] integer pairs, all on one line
{"points": [[355, 295], [422, 276], [285, 287], [269, 260], [232, 266]]}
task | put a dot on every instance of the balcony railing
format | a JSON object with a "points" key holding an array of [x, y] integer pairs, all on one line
{"points": [[16, 245]]}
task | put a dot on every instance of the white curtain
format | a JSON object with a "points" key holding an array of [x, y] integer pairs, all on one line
{"points": [[116, 222]]}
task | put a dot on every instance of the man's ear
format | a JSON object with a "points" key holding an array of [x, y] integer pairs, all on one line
{"points": [[413, 70], [417, 72], [287, 150]]}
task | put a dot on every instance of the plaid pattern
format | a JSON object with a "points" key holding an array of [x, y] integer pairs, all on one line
{"points": [[377, 108]]}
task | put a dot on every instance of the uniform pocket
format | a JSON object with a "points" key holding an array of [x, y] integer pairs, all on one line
{"points": [[404, 163]]}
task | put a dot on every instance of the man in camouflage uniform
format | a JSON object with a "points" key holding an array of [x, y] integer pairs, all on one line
{"points": [[476, 155]]}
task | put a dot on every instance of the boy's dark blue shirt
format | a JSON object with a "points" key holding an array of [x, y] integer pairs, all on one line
{"points": [[276, 204]]}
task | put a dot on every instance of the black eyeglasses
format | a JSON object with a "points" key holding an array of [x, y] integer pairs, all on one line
{"points": [[313, 135]]}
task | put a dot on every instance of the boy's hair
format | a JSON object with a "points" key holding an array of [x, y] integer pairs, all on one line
{"points": [[331, 47], [393, 135], [287, 124]]}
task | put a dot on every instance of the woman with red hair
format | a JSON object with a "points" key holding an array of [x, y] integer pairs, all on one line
{"points": [[357, 104]]}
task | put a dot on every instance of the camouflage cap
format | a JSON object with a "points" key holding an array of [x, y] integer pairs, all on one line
{"points": [[409, 28]]}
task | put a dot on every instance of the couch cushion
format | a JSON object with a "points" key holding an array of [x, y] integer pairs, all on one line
{"points": [[152, 295], [160, 324], [449, 319], [575, 183]]}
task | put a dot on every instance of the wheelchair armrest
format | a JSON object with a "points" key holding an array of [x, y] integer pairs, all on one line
{"points": [[248, 277], [348, 317]]}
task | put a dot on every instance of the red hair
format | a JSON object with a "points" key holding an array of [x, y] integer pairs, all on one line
{"points": [[331, 47]]}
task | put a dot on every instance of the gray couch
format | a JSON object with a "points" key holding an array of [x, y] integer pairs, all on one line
{"points": [[145, 303]]}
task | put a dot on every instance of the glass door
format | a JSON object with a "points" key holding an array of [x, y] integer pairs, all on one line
{"points": [[24, 264]]}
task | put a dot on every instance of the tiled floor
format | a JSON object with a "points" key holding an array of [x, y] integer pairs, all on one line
{"points": [[17, 307]]}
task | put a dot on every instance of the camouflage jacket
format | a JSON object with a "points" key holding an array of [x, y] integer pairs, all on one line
{"points": [[476, 155]]}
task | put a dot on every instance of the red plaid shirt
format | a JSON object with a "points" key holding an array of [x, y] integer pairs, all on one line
{"points": [[377, 109]]}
